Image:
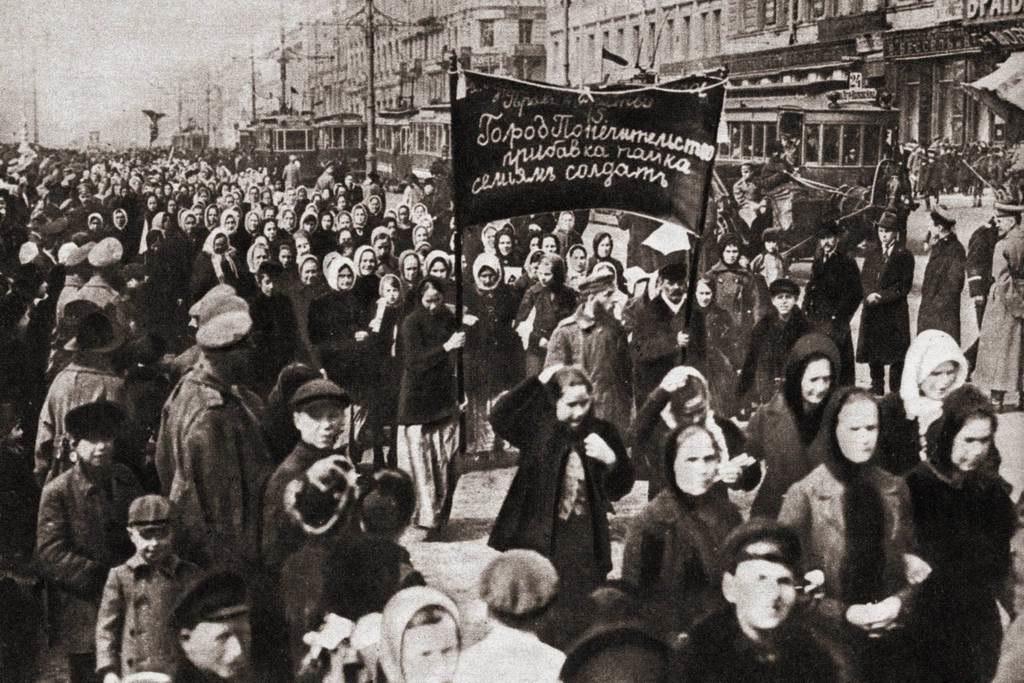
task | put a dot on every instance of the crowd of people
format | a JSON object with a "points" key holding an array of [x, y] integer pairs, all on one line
{"points": [[229, 400]]}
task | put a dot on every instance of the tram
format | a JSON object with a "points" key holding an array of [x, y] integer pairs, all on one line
{"points": [[191, 141], [413, 141], [342, 139]]}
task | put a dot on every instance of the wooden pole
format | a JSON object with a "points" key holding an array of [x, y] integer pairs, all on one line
{"points": [[453, 138]]}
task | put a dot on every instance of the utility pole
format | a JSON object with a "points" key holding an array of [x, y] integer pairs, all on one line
{"points": [[565, 48], [283, 61], [207, 105], [35, 101], [371, 95], [179, 107], [252, 67]]}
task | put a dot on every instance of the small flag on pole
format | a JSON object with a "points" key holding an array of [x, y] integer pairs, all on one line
{"points": [[614, 58]]}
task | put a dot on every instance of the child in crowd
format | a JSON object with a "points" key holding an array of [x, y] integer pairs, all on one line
{"points": [[132, 630], [770, 264]]}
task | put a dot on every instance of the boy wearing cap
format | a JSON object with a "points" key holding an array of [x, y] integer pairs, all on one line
{"points": [[763, 636], [81, 535], [132, 629], [943, 276], [518, 587], [770, 264], [318, 413], [770, 341], [887, 277]]}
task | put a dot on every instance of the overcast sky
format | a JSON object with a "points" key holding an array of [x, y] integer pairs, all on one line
{"points": [[99, 62]]}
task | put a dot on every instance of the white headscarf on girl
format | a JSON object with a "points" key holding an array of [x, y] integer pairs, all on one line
{"points": [[709, 422], [487, 261], [218, 259], [929, 350]]}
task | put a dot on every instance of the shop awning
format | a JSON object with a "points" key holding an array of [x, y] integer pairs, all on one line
{"points": [[1003, 89]]}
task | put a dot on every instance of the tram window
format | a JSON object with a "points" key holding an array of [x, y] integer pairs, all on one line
{"points": [[770, 133], [294, 139], [791, 122], [871, 144], [748, 147], [830, 144], [851, 145], [735, 141], [812, 143], [757, 143]]}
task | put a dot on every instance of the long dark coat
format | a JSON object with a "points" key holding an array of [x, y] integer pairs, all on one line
{"points": [[525, 417], [765, 362], [885, 326], [963, 532], [493, 350], [654, 345], [940, 290], [742, 295], [334, 319], [832, 296], [82, 535], [427, 392]]}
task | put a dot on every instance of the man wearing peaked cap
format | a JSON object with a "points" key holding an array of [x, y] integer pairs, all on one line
{"points": [[198, 308], [107, 252], [761, 637], [210, 431], [211, 621], [104, 257], [518, 586], [943, 276]]}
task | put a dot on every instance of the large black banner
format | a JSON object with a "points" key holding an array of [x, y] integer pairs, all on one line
{"points": [[520, 148]]}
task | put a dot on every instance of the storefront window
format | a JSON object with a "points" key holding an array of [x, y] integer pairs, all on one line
{"points": [[812, 143], [951, 100], [872, 139], [830, 144], [851, 145]]}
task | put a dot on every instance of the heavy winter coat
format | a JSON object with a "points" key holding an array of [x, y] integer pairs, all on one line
{"points": [[334, 320], [552, 305], [598, 345], [672, 556], [525, 417], [81, 535], [774, 433], [427, 392], [981, 249], [1001, 340], [654, 344], [213, 464], [493, 351], [831, 298], [770, 343], [741, 294], [940, 290], [885, 326]]}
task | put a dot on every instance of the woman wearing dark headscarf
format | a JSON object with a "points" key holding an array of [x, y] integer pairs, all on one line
{"points": [[673, 545], [367, 287], [492, 350], [601, 252], [781, 431], [854, 523], [544, 305], [964, 521]]}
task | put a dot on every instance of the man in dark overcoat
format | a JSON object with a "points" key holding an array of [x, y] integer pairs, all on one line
{"points": [[887, 278], [943, 277], [833, 295], [658, 336]]}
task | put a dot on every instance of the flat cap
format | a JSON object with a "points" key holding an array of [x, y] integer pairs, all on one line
{"points": [[771, 235], [228, 323], [99, 419], [828, 228], [218, 596], [80, 255], [783, 285], [761, 539], [888, 221], [57, 226], [597, 282], [65, 251], [318, 390], [107, 252], [133, 271], [519, 583], [151, 510]]}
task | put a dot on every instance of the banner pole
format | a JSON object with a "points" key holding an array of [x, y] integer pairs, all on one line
{"points": [[460, 376], [698, 244]]}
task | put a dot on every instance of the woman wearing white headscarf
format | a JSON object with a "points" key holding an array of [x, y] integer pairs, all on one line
{"points": [[934, 367], [217, 264], [415, 622], [493, 353]]}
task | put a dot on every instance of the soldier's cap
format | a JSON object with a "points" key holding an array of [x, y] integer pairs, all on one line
{"points": [[227, 323], [81, 237], [217, 292], [80, 255], [783, 286], [96, 332], [828, 228], [597, 282], [761, 539], [673, 272], [57, 226], [149, 511], [519, 583], [107, 252], [65, 251], [318, 390], [214, 597], [97, 420], [887, 221], [941, 215]]}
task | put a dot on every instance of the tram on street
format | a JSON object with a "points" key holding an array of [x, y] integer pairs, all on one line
{"points": [[190, 141]]}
